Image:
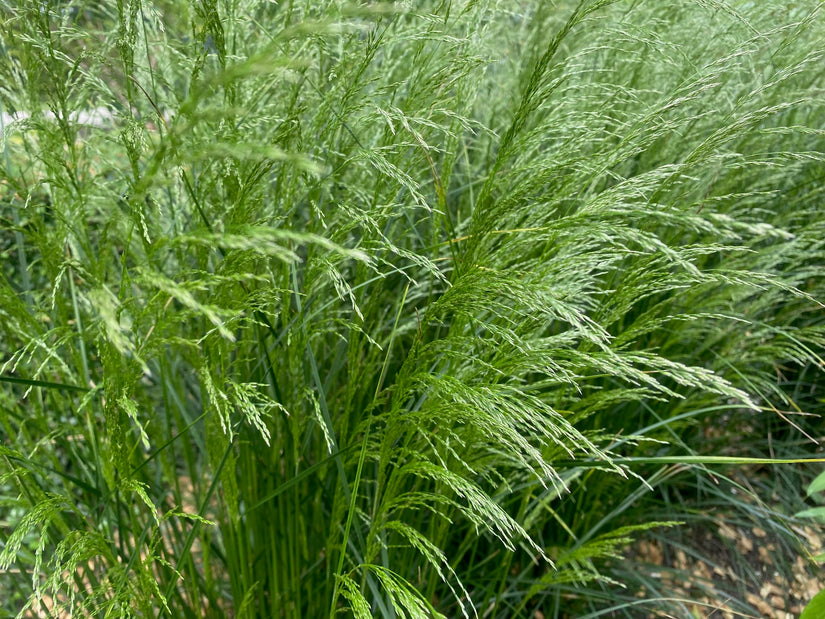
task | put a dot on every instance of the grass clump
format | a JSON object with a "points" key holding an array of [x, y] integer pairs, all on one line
{"points": [[396, 309]]}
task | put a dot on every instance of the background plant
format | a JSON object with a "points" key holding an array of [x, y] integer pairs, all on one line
{"points": [[397, 308]]}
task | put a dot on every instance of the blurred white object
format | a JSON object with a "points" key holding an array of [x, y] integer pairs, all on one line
{"points": [[96, 117]]}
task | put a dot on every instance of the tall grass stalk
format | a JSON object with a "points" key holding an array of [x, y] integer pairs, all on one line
{"points": [[397, 309]]}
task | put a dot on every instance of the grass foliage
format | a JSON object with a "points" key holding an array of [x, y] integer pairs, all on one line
{"points": [[388, 308]]}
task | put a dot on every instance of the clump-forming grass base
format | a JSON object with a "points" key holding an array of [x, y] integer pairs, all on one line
{"points": [[397, 309]]}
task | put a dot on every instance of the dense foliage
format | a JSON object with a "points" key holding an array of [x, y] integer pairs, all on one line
{"points": [[398, 308]]}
